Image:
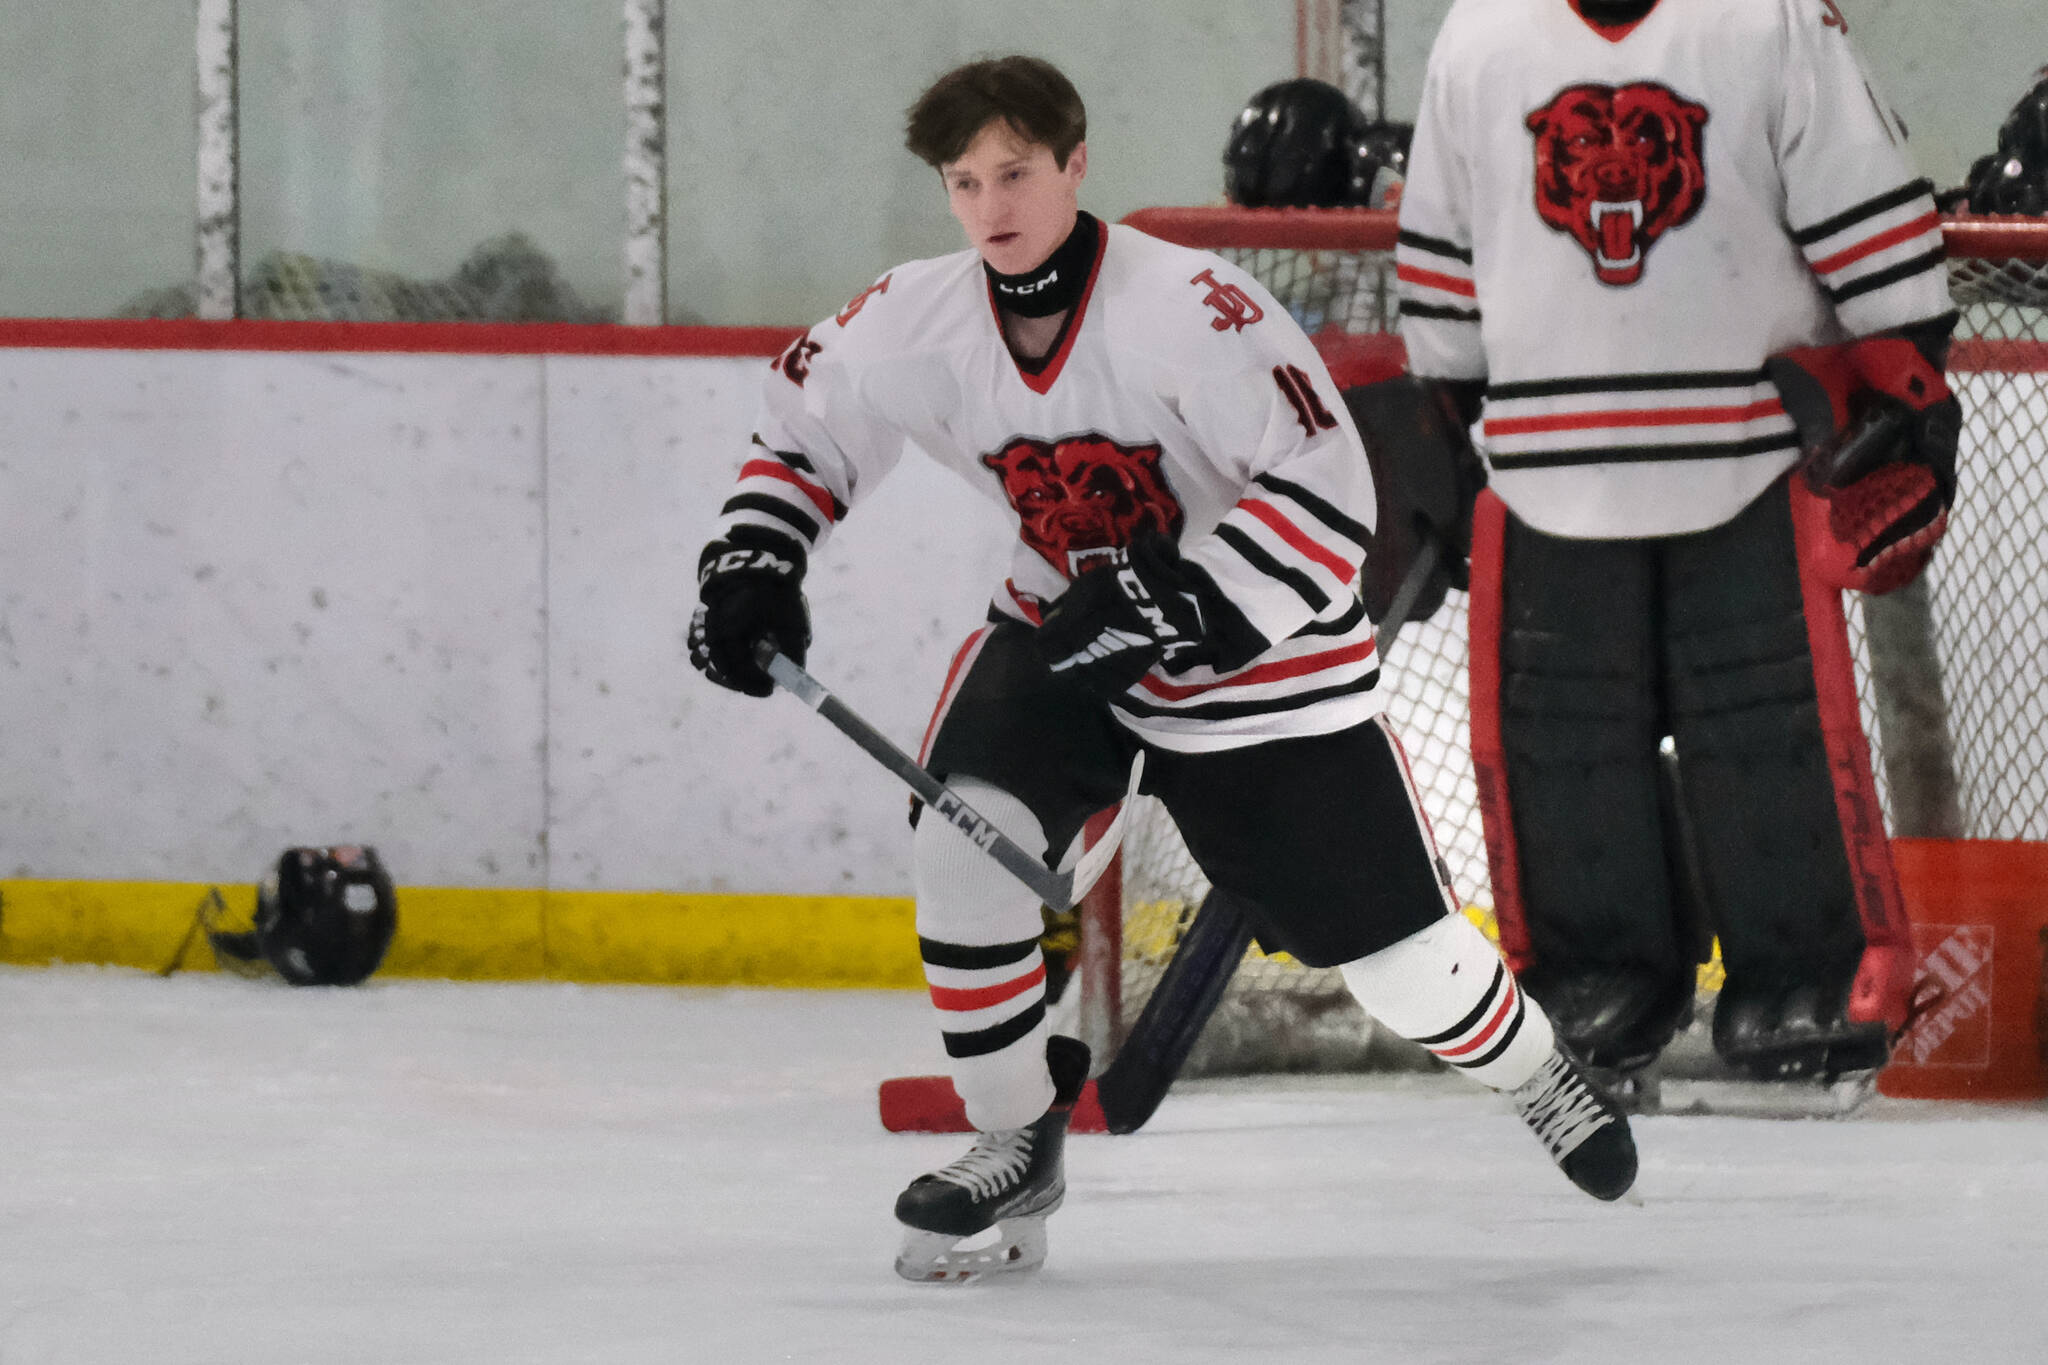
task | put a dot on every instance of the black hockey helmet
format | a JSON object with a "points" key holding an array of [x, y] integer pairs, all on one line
{"points": [[324, 917], [2014, 179], [1303, 144], [1380, 158]]}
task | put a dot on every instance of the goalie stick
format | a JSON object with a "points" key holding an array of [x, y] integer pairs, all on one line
{"points": [[1058, 889], [1201, 967]]}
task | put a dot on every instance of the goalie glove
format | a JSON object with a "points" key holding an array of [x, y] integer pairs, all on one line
{"points": [[750, 591], [1879, 429], [1426, 478], [1144, 606]]}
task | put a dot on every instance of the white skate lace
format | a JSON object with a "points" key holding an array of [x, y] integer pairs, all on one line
{"points": [[995, 1161], [1557, 1104]]}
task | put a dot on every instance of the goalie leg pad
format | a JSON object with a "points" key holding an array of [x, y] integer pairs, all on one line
{"points": [[1580, 716], [1756, 777], [1448, 989]]}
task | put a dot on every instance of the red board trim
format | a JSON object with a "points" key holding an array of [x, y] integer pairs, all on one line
{"points": [[452, 338]]}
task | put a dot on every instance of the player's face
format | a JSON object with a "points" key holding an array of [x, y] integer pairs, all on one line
{"points": [[1015, 201]]}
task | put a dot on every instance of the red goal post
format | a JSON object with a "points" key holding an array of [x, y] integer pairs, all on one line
{"points": [[1950, 671]]}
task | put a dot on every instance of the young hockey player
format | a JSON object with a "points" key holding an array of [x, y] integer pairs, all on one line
{"points": [[1627, 231], [1192, 507]]}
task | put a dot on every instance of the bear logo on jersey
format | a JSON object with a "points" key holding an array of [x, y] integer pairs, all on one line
{"points": [[1616, 168], [1082, 496]]}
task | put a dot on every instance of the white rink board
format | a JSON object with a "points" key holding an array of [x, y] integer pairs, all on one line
{"points": [[211, 1171], [438, 604]]}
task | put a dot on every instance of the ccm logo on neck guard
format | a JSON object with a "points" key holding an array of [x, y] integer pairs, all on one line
{"points": [[1031, 288]]}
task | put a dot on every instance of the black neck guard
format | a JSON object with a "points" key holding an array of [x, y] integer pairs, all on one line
{"points": [[1616, 13], [1056, 285]]}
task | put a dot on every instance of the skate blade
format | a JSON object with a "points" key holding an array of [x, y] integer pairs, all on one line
{"points": [[939, 1257], [1810, 1098]]}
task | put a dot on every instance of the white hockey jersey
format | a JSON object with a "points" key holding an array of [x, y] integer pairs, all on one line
{"points": [[1615, 229], [1180, 396]]}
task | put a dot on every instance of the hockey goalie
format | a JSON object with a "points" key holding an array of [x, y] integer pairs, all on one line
{"points": [[1670, 264]]}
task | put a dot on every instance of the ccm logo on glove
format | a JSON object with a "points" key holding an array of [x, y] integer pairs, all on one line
{"points": [[1159, 633], [745, 561], [1141, 606]]}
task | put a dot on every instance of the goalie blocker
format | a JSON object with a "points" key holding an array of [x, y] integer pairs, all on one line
{"points": [[1878, 431]]}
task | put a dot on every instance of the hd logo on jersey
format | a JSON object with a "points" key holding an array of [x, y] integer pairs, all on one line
{"points": [[1617, 167], [1083, 496]]}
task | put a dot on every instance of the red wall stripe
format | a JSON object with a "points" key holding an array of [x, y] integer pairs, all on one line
{"points": [[458, 338]]}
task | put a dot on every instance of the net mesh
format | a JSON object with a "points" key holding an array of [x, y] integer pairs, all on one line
{"points": [[1979, 704], [505, 279]]}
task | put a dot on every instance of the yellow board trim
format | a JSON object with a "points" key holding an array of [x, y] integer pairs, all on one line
{"points": [[462, 933], [468, 934]]}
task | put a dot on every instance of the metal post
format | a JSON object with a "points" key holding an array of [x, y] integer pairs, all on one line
{"points": [[1914, 744], [646, 165], [1364, 24], [218, 284]]}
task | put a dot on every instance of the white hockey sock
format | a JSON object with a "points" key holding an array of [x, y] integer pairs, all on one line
{"points": [[1448, 989], [978, 929]]}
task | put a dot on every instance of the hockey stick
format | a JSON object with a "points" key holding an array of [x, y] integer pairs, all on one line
{"points": [[1201, 967], [1060, 890], [1175, 1014]]}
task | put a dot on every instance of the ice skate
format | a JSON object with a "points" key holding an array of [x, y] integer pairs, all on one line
{"points": [[1635, 1090], [1586, 1132], [1617, 1020], [1799, 1031], [1008, 1182]]}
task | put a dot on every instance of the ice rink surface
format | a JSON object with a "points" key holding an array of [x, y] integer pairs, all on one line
{"points": [[207, 1169]]}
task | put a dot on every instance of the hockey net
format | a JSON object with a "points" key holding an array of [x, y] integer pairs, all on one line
{"points": [[503, 279], [1950, 670]]}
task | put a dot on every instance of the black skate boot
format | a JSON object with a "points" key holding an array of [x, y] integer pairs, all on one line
{"points": [[1615, 1019], [1010, 1180], [1587, 1134], [1800, 1031]]}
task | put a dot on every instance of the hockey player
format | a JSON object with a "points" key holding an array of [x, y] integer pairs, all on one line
{"points": [[1188, 507], [1624, 219]]}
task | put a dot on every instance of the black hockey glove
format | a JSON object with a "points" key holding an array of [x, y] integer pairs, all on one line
{"points": [[1144, 606], [1426, 478], [1879, 429], [750, 590]]}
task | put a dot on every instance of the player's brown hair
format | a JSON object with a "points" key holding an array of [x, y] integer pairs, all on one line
{"points": [[1030, 94]]}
